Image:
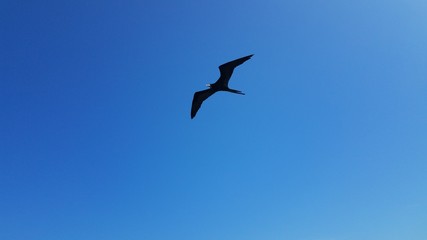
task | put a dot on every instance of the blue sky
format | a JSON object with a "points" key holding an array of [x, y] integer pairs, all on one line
{"points": [[328, 143]]}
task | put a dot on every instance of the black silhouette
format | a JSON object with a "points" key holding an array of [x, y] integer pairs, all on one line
{"points": [[221, 84]]}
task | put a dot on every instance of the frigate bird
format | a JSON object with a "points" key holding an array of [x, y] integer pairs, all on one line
{"points": [[226, 70]]}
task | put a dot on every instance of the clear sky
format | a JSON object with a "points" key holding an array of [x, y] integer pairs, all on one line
{"points": [[329, 142]]}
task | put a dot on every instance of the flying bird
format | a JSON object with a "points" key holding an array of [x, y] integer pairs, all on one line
{"points": [[221, 84]]}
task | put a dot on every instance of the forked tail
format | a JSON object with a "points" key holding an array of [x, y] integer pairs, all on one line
{"points": [[235, 91]]}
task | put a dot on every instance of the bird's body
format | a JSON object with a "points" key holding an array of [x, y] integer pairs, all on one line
{"points": [[221, 84]]}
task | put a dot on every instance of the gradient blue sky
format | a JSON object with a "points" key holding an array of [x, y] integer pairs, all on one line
{"points": [[329, 142]]}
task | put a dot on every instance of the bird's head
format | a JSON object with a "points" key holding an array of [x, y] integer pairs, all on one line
{"points": [[208, 85]]}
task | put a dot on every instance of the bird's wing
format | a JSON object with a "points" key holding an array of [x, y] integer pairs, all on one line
{"points": [[226, 69], [198, 99]]}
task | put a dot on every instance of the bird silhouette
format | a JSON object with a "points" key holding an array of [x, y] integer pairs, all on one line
{"points": [[221, 84]]}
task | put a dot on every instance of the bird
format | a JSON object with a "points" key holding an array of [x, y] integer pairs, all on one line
{"points": [[226, 70]]}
